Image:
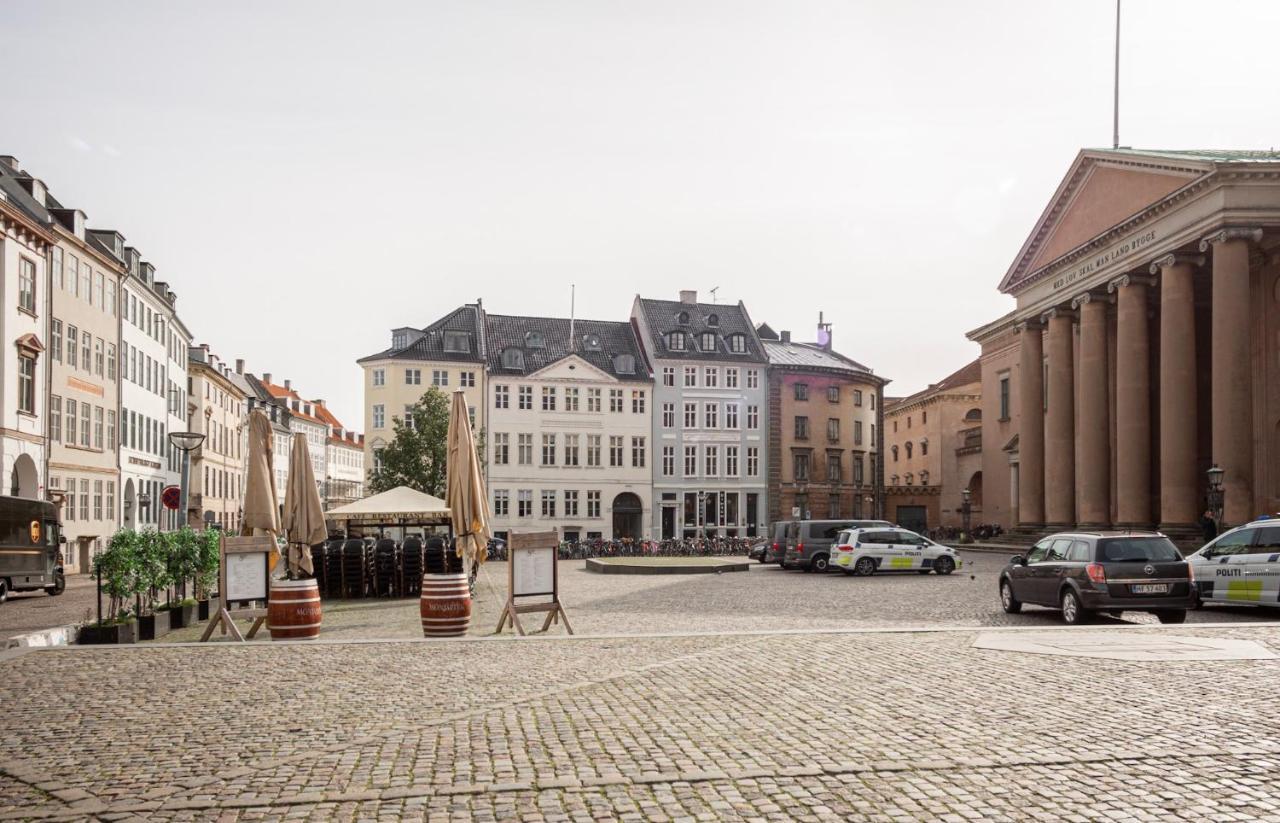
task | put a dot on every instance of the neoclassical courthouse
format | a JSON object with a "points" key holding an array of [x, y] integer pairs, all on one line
{"points": [[1145, 346]]}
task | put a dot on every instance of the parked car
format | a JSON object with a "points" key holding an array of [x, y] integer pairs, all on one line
{"points": [[1086, 572], [1241, 566], [776, 548], [809, 542], [758, 550], [865, 551]]}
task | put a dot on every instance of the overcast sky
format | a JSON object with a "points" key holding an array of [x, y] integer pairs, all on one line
{"points": [[308, 175]]}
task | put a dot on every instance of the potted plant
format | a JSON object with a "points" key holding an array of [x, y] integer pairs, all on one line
{"points": [[116, 570], [153, 577], [184, 558], [208, 553]]}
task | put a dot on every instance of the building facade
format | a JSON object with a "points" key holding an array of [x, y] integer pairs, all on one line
{"points": [[933, 452], [709, 417], [824, 429], [1144, 348], [217, 408], [302, 419], [344, 475], [448, 354], [569, 428]]}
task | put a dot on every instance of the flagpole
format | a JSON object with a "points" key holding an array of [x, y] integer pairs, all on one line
{"points": [[1115, 123]]}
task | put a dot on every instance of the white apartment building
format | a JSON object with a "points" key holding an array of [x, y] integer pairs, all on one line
{"points": [[218, 409], [302, 418], [569, 427], [344, 478], [24, 310]]}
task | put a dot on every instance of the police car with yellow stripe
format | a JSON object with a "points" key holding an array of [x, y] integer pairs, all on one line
{"points": [[1240, 566], [890, 549]]}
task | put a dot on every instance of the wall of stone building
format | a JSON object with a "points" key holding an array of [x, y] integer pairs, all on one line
{"points": [[1267, 309], [999, 357], [928, 498], [395, 394]]}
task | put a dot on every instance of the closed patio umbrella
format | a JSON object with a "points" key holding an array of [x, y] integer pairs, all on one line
{"points": [[303, 512], [464, 490], [261, 508]]}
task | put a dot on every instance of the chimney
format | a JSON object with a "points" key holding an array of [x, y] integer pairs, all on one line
{"points": [[266, 377], [824, 334], [688, 296], [785, 336], [288, 384], [239, 365], [10, 161]]}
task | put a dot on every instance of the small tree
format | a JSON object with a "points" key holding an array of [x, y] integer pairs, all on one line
{"points": [[209, 551], [184, 556], [418, 452], [117, 568], [153, 567]]}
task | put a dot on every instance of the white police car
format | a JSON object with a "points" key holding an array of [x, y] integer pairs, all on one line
{"points": [[1240, 566], [884, 549]]}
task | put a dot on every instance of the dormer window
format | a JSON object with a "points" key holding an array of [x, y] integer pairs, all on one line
{"points": [[675, 341], [513, 359], [457, 342], [591, 342], [683, 318], [738, 343], [399, 340], [535, 340], [624, 364], [708, 341], [713, 320]]}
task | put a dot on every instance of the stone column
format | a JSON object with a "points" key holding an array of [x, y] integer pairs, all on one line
{"points": [[1094, 427], [1133, 402], [1031, 425], [1179, 497], [1060, 420], [1232, 363]]}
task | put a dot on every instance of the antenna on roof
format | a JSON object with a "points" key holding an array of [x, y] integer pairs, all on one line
{"points": [[573, 296], [1115, 122], [713, 294]]}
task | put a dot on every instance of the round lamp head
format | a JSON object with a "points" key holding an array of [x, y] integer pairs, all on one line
{"points": [[966, 494], [186, 441]]}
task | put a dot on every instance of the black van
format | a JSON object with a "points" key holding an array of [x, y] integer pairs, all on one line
{"points": [[30, 547]]}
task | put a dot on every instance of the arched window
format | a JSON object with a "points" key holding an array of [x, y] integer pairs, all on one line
{"points": [[895, 453], [512, 359], [713, 320], [683, 318], [708, 341], [973, 416], [908, 449], [924, 447], [675, 341]]}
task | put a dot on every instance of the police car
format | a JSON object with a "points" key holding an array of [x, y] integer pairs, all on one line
{"points": [[1240, 566], [889, 549]]}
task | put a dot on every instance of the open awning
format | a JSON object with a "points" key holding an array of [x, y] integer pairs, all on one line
{"points": [[399, 505]]}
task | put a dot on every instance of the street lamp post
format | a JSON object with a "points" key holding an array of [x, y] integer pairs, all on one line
{"points": [[1217, 494], [185, 442], [966, 510]]}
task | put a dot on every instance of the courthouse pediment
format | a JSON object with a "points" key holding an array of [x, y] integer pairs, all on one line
{"points": [[572, 367], [1102, 188]]}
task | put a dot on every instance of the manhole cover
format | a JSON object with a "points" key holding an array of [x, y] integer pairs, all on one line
{"points": [[1124, 645]]}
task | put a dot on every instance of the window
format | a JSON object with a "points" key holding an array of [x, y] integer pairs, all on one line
{"points": [[501, 397], [924, 417], [711, 377], [26, 384], [27, 284], [857, 432], [571, 398], [548, 449], [55, 332], [55, 418], [501, 502], [501, 448], [713, 320], [909, 444], [833, 394], [111, 361], [593, 400], [379, 377], [439, 377], [57, 272], [753, 378], [570, 503], [835, 471], [413, 377], [800, 466], [525, 397], [924, 447], [524, 503], [857, 470], [457, 342], [99, 357], [669, 376], [535, 340], [111, 297], [753, 417], [615, 400], [111, 500], [624, 364], [69, 510], [730, 461], [84, 500], [408, 417], [73, 343], [675, 341], [668, 415], [524, 449], [668, 461], [690, 376], [690, 415], [548, 398], [379, 415], [1004, 397], [571, 450], [593, 504], [802, 391], [873, 402], [731, 415], [711, 415], [738, 343], [690, 461], [638, 452], [637, 401], [593, 450], [707, 341], [111, 430], [99, 290], [711, 458], [548, 503], [833, 430], [615, 450], [802, 428], [97, 500], [731, 378], [86, 412], [98, 423]]}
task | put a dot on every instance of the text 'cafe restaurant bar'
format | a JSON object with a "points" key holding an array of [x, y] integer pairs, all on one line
{"points": [[1144, 349]]}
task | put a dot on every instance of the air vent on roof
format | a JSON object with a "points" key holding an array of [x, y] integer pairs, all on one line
{"points": [[591, 342], [535, 340]]}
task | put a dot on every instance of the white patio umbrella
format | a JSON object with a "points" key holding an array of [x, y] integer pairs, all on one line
{"points": [[303, 512], [464, 489]]}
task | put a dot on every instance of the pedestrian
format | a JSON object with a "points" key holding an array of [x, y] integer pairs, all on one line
{"points": [[1208, 526]]}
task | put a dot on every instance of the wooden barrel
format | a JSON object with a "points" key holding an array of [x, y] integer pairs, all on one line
{"points": [[445, 605], [293, 611]]}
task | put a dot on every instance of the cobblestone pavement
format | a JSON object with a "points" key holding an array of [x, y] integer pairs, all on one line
{"points": [[27, 612], [859, 725]]}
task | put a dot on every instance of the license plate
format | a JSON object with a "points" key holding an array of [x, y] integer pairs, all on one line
{"points": [[1150, 588]]}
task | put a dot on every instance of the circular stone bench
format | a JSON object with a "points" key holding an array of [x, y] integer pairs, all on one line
{"points": [[666, 565]]}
